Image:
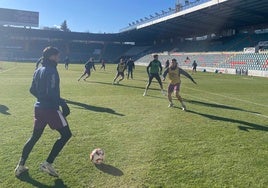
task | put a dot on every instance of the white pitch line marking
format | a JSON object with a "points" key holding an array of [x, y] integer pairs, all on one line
{"points": [[261, 115], [228, 97], [252, 113], [8, 70]]}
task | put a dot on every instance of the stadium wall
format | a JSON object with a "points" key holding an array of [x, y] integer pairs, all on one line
{"points": [[258, 73], [221, 70], [224, 66]]}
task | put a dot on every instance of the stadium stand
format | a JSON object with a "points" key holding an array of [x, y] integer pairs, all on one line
{"points": [[215, 60], [22, 44], [247, 62], [217, 53], [112, 52], [136, 50], [234, 43]]}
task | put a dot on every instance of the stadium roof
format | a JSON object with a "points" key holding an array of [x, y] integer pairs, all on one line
{"points": [[214, 16]]}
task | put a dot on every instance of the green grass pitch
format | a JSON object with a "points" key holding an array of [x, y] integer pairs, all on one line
{"points": [[222, 141]]}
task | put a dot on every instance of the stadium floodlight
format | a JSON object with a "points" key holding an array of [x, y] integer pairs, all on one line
{"points": [[146, 18], [137, 21], [151, 16], [141, 20], [157, 14]]}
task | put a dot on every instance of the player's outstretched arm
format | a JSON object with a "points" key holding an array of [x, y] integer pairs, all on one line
{"points": [[34, 86], [165, 74], [33, 89], [183, 72]]}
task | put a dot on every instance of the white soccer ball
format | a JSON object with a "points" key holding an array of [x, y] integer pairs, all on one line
{"points": [[97, 156]]}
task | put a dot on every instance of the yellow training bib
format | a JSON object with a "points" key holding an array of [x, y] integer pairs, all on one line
{"points": [[174, 76], [121, 67]]}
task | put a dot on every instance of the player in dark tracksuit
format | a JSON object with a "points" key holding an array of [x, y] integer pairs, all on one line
{"points": [[45, 87], [102, 64], [88, 66], [154, 70], [194, 65], [130, 68], [66, 62], [167, 64]]}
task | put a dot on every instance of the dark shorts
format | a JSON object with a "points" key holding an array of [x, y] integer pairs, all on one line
{"points": [[174, 88], [120, 74], [156, 76], [51, 117], [87, 71]]}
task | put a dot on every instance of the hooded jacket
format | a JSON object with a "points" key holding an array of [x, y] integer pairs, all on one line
{"points": [[46, 86]]}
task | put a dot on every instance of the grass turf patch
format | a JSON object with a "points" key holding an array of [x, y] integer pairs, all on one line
{"points": [[220, 142]]}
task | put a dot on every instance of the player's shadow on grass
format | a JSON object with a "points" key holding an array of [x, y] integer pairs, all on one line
{"points": [[4, 110], [94, 108], [109, 169], [243, 125], [213, 105], [124, 85], [25, 177], [138, 87]]}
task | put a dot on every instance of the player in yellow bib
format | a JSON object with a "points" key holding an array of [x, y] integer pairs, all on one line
{"points": [[121, 67], [174, 75]]}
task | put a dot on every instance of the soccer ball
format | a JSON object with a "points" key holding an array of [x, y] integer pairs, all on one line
{"points": [[97, 156]]}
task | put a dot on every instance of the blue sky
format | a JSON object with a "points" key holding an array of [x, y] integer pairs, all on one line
{"points": [[90, 15]]}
